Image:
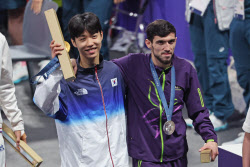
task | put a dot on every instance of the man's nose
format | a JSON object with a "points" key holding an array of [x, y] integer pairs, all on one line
{"points": [[90, 42], [167, 47]]}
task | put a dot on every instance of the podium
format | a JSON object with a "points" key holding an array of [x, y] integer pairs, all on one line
{"points": [[230, 155]]}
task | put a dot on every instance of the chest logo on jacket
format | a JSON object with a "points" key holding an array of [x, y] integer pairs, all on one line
{"points": [[178, 87], [81, 92], [114, 82]]}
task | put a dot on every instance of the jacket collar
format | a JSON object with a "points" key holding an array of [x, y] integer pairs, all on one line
{"points": [[91, 69]]}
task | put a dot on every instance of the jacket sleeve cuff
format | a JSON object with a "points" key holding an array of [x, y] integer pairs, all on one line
{"points": [[209, 140], [19, 127]]}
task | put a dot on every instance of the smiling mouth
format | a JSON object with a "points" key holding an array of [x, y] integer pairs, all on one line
{"points": [[91, 49]]}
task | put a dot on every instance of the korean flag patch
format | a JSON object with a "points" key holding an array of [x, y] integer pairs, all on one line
{"points": [[114, 82]]}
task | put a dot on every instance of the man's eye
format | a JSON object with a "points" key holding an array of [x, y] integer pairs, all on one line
{"points": [[82, 39], [171, 42], [94, 36]]}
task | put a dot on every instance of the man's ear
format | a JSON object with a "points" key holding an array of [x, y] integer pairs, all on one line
{"points": [[101, 34], [148, 43], [73, 42]]}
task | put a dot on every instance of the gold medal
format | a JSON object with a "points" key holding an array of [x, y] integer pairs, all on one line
{"points": [[67, 46]]}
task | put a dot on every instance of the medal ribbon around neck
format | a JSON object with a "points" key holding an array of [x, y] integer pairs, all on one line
{"points": [[168, 110]]}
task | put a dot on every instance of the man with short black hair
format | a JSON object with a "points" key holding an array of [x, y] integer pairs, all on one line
{"points": [[89, 112], [156, 132]]}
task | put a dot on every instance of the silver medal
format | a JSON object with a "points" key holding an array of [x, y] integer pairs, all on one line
{"points": [[169, 127]]}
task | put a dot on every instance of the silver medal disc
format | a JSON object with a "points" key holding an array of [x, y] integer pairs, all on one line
{"points": [[169, 127]]}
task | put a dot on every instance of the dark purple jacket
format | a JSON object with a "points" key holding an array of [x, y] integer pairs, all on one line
{"points": [[146, 140]]}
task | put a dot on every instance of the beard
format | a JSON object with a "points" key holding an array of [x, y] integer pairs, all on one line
{"points": [[166, 62], [160, 59]]}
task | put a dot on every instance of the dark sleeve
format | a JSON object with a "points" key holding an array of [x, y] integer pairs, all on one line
{"points": [[196, 108]]}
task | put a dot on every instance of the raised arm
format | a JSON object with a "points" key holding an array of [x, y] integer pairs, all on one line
{"points": [[56, 50], [49, 96]]}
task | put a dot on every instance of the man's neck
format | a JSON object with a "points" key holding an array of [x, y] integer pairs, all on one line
{"points": [[88, 63]]}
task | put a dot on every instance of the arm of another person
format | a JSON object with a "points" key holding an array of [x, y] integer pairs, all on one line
{"points": [[36, 6], [246, 141], [199, 114], [246, 150], [7, 93]]}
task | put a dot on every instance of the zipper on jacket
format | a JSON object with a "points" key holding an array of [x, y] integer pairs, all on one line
{"points": [[161, 111], [162, 142], [105, 114]]}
